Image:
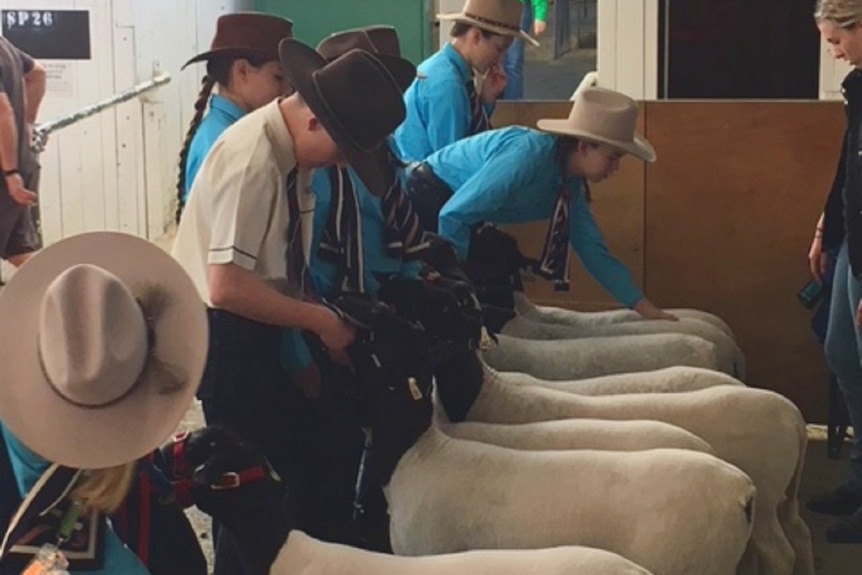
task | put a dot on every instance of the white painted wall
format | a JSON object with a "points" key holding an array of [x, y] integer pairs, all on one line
{"points": [[116, 170]]}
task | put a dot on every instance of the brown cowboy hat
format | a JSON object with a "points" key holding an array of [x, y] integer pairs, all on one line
{"points": [[247, 33], [498, 16], [102, 347], [355, 98], [382, 41], [603, 116]]}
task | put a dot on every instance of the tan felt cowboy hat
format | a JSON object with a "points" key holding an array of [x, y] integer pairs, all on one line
{"points": [[355, 98], [603, 116], [247, 33], [497, 16], [382, 41], [102, 346]]}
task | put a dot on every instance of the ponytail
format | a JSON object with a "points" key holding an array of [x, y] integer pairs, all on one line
{"points": [[207, 85]]}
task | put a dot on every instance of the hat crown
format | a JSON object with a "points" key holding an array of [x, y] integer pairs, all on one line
{"points": [[252, 31], [92, 336], [374, 39], [501, 13], [361, 96], [606, 114]]}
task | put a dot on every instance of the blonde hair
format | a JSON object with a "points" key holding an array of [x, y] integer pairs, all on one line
{"points": [[843, 13], [104, 490]]}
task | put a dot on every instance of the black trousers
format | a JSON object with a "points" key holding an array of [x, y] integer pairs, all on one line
{"points": [[428, 194]]}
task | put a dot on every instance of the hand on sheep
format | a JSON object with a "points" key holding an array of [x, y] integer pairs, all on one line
{"points": [[649, 310]]}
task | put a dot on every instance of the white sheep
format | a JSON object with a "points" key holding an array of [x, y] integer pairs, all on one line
{"points": [[667, 380], [589, 320], [593, 357], [672, 511], [739, 423], [729, 356], [303, 555]]}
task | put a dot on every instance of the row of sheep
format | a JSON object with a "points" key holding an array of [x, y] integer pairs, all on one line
{"points": [[670, 471]]}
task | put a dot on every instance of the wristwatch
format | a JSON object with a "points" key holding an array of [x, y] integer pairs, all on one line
{"points": [[12, 172]]}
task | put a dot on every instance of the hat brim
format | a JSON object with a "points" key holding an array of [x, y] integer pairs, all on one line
{"points": [[300, 62], [639, 147], [93, 438], [461, 17], [229, 52]]}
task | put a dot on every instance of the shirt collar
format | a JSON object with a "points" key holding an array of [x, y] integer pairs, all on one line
{"points": [[279, 136], [455, 57], [225, 106]]}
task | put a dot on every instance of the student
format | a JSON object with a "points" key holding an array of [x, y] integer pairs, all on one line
{"points": [[22, 87], [245, 240], [839, 229], [103, 347], [444, 103], [534, 17], [242, 66], [516, 174]]}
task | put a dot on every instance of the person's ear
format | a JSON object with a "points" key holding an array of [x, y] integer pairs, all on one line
{"points": [[240, 69], [313, 123]]}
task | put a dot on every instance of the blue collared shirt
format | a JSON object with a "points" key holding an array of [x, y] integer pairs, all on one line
{"points": [[221, 115], [511, 176], [376, 260], [438, 106]]}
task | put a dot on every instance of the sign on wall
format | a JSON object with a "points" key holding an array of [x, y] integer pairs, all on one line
{"points": [[49, 34]]}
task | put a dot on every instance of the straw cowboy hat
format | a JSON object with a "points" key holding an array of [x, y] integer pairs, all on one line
{"points": [[355, 98], [247, 33], [382, 41], [497, 16], [102, 346], [604, 116]]}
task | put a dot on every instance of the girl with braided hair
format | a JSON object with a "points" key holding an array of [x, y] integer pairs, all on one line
{"points": [[243, 65]]}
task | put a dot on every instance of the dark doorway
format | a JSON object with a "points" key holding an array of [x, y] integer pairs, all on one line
{"points": [[738, 49]]}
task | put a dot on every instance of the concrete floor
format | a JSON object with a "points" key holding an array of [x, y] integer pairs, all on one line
{"points": [[822, 474]]}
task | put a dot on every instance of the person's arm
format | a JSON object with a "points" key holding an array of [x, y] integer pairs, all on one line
{"points": [[35, 82], [589, 244], [240, 291], [9, 154], [483, 194], [540, 16]]}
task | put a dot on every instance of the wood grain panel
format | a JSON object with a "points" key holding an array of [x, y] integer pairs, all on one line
{"points": [[731, 206], [618, 206]]}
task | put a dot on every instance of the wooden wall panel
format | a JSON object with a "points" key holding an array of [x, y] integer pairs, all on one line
{"points": [[618, 206], [731, 206]]}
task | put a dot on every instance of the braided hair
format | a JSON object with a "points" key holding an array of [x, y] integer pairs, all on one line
{"points": [[218, 72]]}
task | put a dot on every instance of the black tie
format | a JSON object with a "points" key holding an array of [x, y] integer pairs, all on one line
{"points": [[479, 121]]}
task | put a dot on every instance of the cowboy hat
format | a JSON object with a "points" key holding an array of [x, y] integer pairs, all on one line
{"points": [[355, 98], [603, 116], [498, 16], [382, 41], [247, 33], [102, 346]]}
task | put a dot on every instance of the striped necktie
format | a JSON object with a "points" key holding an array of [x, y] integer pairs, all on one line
{"points": [[554, 264], [342, 239], [403, 233], [296, 262]]}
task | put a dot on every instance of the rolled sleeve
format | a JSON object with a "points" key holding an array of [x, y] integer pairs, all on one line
{"points": [[243, 199]]}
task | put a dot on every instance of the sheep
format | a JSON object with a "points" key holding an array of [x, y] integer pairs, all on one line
{"points": [[736, 421], [590, 320], [593, 357], [257, 511], [303, 555], [537, 499], [729, 356], [667, 380]]}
